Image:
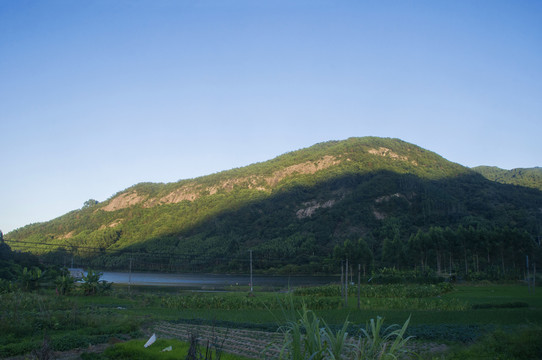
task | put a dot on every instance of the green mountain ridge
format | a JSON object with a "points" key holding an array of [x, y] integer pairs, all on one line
{"points": [[529, 177], [293, 211]]}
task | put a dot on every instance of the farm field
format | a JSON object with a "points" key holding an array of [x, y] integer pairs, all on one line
{"points": [[456, 322]]}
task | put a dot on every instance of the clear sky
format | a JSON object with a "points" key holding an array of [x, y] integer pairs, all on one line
{"points": [[98, 95]]}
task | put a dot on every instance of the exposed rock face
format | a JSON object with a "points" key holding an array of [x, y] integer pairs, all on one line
{"points": [[385, 152], [67, 235], [312, 207], [191, 192], [388, 197], [308, 167], [123, 201], [378, 215], [112, 225], [381, 215]]}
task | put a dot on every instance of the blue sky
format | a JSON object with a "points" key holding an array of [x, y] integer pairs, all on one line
{"points": [[96, 96]]}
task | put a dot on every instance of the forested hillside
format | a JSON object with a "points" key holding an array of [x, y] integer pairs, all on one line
{"points": [[380, 202], [531, 177]]}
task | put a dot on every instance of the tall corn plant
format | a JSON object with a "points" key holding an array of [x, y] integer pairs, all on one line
{"points": [[302, 338], [311, 338], [376, 343], [335, 342], [307, 337]]}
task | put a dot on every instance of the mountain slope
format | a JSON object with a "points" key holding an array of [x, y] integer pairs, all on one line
{"points": [[530, 177], [292, 210]]}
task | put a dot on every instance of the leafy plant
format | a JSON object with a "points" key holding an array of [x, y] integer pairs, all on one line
{"points": [[91, 283], [64, 284], [29, 279], [302, 338], [336, 342], [6, 286], [379, 343]]}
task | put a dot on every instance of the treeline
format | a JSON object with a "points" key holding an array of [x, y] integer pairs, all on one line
{"points": [[471, 253], [12, 263], [531, 177]]}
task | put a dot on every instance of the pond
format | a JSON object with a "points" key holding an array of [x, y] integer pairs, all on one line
{"points": [[213, 281]]}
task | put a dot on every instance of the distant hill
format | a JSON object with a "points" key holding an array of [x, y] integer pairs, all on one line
{"points": [[530, 177], [382, 201]]}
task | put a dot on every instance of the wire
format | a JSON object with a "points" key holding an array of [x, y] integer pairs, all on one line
{"points": [[21, 244]]}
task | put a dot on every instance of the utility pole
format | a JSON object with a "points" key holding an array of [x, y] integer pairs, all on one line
{"points": [[342, 278], [346, 285], [359, 286], [130, 275], [251, 287], [534, 276], [529, 281]]}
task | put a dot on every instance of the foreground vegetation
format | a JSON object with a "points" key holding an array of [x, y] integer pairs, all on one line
{"points": [[44, 310], [470, 319]]}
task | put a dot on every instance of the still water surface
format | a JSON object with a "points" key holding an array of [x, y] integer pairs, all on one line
{"points": [[213, 280]]}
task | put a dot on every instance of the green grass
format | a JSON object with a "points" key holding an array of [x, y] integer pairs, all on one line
{"points": [[135, 350]]}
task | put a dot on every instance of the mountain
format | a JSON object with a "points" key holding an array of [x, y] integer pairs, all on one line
{"points": [[530, 177], [406, 206]]}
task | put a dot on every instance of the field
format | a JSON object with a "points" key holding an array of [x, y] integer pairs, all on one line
{"points": [[446, 322]]}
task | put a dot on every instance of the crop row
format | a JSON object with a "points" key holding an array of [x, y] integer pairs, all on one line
{"points": [[379, 291], [238, 303]]}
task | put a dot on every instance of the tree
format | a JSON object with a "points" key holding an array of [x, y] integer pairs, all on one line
{"points": [[417, 247], [5, 250], [89, 203], [29, 279], [392, 252], [437, 243], [366, 255]]}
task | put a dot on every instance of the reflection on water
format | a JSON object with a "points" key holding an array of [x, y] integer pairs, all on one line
{"points": [[213, 280]]}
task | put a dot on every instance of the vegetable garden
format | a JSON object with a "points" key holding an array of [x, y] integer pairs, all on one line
{"points": [[442, 321]]}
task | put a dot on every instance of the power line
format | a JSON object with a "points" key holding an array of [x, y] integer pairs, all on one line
{"points": [[32, 245]]}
